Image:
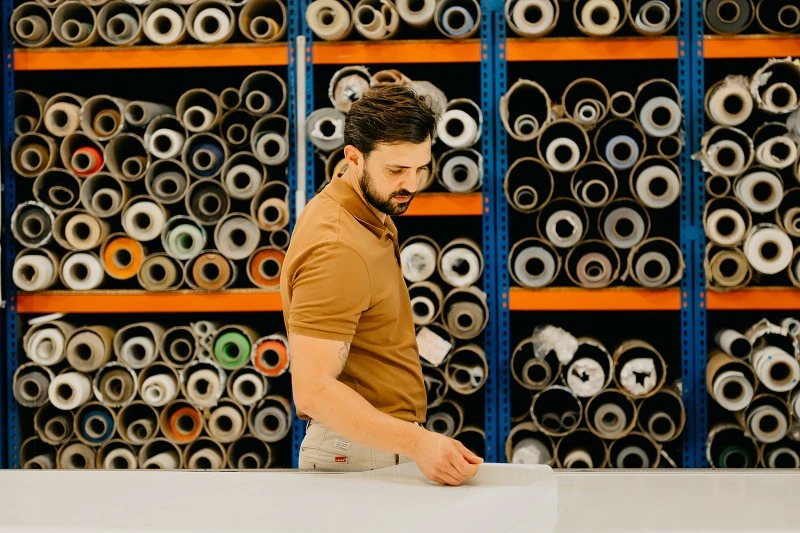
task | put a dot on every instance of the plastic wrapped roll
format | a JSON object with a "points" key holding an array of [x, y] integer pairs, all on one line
{"points": [[778, 17], [788, 213], [158, 384], [89, 348], [270, 420], [581, 449], [122, 256], [598, 18], [120, 23], [103, 195], [62, 114], [183, 238], [165, 22], [52, 425], [620, 143], [733, 343], [268, 140], [330, 20], [210, 271], [776, 85], [590, 369], [635, 450], [160, 454], [376, 19], [768, 249], [718, 186], [263, 21], [94, 424], [611, 414], [181, 422], [525, 187], [527, 445], [237, 236], [564, 222], [143, 219], [45, 343], [31, 385], [426, 302], [460, 171], [457, 19], [270, 206], [767, 418], [37, 455], [416, 14], [656, 182], [81, 155], [263, 92], [774, 146], [236, 125], [760, 190], [35, 270], [165, 137], [69, 390], [347, 85], [75, 24], [533, 263], [81, 271], [653, 17], [136, 345], [116, 455], [544, 17], [639, 369], [460, 263], [446, 419], [32, 224], [728, 17], [210, 21], [137, 423], [325, 128], [32, 154], [656, 263], [207, 202], [556, 411], [127, 157], [531, 372], [658, 108], [726, 221], [159, 272], [264, 267], [246, 386], [178, 346], [31, 25], [594, 184], [525, 110], [776, 370], [76, 456], [465, 313], [586, 101], [249, 453], [76, 229], [419, 258], [205, 454], [593, 264], [563, 145]]}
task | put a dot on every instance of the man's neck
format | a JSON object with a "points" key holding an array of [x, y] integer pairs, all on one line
{"points": [[353, 181]]}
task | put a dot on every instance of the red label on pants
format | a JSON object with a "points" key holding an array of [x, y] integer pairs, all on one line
{"points": [[341, 459]]}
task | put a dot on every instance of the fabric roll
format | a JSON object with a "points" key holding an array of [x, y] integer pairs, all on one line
{"points": [[264, 267], [728, 17], [207, 202], [32, 224]]}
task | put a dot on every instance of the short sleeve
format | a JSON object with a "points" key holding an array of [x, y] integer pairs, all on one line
{"points": [[329, 291]]}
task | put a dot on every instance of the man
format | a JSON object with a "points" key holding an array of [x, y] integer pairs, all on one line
{"points": [[356, 374]]}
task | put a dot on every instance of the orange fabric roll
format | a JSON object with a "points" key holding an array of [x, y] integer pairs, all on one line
{"points": [[264, 267], [93, 154], [266, 352], [122, 257], [178, 424]]}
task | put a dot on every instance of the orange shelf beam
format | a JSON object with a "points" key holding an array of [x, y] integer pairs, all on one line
{"points": [[758, 299], [346, 53], [573, 299], [234, 55], [572, 49], [446, 204], [750, 47], [148, 302]]}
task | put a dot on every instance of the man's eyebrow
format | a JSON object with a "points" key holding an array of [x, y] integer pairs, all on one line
{"points": [[404, 166]]}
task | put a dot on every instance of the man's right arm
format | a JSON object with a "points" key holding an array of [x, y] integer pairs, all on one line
{"points": [[316, 365]]}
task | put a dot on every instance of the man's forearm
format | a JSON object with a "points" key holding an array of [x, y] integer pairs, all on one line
{"points": [[346, 412]]}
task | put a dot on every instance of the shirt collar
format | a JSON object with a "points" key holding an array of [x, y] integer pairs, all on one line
{"points": [[347, 197]]}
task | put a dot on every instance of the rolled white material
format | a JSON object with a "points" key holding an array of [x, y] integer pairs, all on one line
{"points": [[162, 461], [638, 376], [533, 263], [418, 260], [461, 173], [737, 163], [70, 390], [586, 377], [119, 23], [610, 420], [210, 21], [782, 457], [34, 271], [460, 263], [143, 220], [760, 190], [166, 143], [457, 129], [660, 104], [653, 18], [565, 228], [247, 388], [140, 113], [769, 153], [75, 24], [634, 451], [164, 22], [613, 225], [729, 102], [82, 271], [183, 238], [46, 344], [768, 249], [544, 19], [76, 456], [271, 422], [325, 128], [578, 457], [420, 15], [121, 457], [622, 152], [733, 343], [426, 302], [586, 21], [788, 93], [330, 20], [237, 236], [733, 380], [204, 384], [61, 118], [31, 385], [776, 369], [657, 186], [159, 390], [243, 175], [563, 164], [376, 22], [531, 452], [226, 424], [732, 235], [138, 351], [771, 417]]}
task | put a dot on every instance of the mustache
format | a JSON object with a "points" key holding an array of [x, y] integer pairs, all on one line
{"points": [[402, 192]]}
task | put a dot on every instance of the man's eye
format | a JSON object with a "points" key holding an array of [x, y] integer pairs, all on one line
{"points": [[395, 172]]}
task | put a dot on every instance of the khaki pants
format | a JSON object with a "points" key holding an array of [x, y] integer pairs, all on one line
{"points": [[324, 449]]}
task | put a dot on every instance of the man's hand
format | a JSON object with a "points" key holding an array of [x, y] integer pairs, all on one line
{"points": [[443, 459]]}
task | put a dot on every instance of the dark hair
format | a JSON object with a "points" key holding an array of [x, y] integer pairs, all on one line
{"points": [[389, 113]]}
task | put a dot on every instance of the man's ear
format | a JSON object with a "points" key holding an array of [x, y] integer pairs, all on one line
{"points": [[353, 156]]}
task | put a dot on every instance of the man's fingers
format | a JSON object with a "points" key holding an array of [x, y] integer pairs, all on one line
{"points": [[468, 455], [449, 479]]}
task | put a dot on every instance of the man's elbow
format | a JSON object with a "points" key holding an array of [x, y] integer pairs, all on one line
{"points": [[307, 398]]}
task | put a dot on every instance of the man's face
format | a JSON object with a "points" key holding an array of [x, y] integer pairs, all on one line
{"points": [[391, 174]]}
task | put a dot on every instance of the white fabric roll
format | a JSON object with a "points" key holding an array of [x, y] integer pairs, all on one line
{"points": [[185, 241], [455, 258], [138, 352], [607, 28], [726, 378], [237, 224], [627, 241], [164, 461], [426, 317], [193, 121], [768, 234], [70, 390], [659, 279], [260, 148], [716, 167], [416, 18], [260, 427], [46, 346], [774, 415], [633, 368], [613, 160], [658, 130], [77, 262], [542, 279], [563, 166], [158, 18], [734, 237], [765, 156], [206, 459], [62, 118], [733, 343], [768, 98], [764, 359], [161, 137], [469, 129], [533, 29], [632, 451], [159, 390], [154, 214], [610, 426], [744, 188], [465, 165], [645, 179], [777, 457], [530, 452], [127, 29], [248, 191], [236, 424], [223, 25], [794, 404], [646, 26], [574, 221], [589, 368], [117, 455], [248, 380], [580, 458], [661, 436], [341, 22], [732, 87], [212, 391], [41, 270], [418, 261]]}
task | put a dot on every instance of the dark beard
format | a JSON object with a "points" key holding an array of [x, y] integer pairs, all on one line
{"points": [[384, 205]]}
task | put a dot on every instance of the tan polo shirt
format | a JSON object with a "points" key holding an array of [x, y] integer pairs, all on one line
{"points": [[342, 280]]}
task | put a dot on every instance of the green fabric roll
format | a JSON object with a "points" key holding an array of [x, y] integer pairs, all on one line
{"points": [[733, 450], [232, 350]]}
